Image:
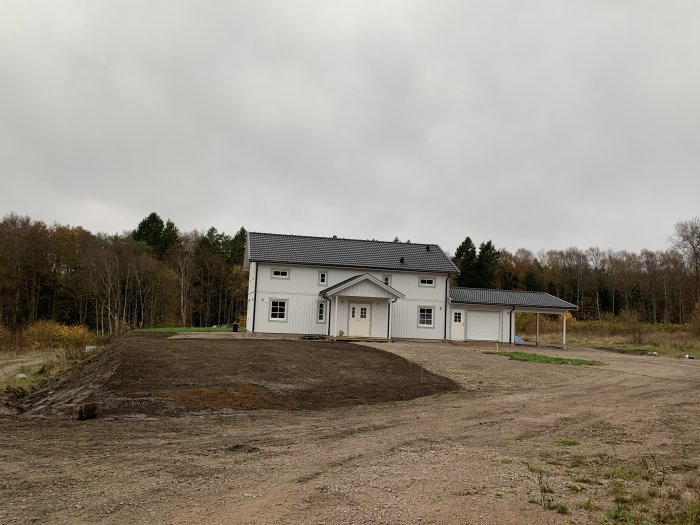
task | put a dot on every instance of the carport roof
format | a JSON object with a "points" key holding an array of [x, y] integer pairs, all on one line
{"points": [[348, 253], [517, 298]]}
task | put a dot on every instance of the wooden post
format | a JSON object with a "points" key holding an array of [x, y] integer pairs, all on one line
{"points": [[537, 330], [563, 334]]}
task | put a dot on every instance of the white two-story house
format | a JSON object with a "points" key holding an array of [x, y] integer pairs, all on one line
{"points": [[326, 286]]}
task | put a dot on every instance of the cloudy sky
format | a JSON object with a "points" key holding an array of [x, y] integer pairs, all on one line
{"points": [[538, 124]]}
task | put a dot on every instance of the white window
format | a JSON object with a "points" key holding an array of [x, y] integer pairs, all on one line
{"points": [[352, 312], [425, 316], [427, 281], [321, 313], [278, 310], [322, 278], [386, 279], [280, 273], [458, 317], [363, 312]]}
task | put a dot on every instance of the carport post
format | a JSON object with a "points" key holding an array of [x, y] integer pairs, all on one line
{"points": [[537, 329], [563, 334]]}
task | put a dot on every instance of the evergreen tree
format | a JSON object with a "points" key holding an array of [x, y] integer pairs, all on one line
{"points": [[159, 236], [486, 265], [465, 260]]}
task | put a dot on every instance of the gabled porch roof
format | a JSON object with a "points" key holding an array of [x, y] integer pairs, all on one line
{"points": [[336, 289]]}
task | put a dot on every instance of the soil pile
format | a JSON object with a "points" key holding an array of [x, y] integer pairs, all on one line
{"points": [[152, 374]]}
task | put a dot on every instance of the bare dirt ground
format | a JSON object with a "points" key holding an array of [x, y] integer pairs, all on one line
{"points": [[460, 457]]}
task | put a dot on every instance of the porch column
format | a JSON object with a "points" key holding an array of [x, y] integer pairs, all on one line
{"points": [[537, 330], [563, 334]]}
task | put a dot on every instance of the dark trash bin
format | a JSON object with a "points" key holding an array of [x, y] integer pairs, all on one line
{"points": [[234, 327]]}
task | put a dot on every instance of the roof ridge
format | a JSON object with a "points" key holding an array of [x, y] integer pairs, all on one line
{"points": [[348, 239], [498, 290]]}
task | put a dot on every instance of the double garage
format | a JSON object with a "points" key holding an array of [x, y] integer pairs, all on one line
{"points": [[478, 314]]}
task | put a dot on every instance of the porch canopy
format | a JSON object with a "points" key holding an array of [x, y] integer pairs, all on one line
{"points": [[519, 301], [360, 287]]}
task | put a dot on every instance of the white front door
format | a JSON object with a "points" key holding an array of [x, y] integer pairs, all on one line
{"points": [[358, 323], [457, 331]]}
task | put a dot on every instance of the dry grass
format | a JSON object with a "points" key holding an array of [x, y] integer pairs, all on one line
{"points": [[621, 334], [45, 335]]}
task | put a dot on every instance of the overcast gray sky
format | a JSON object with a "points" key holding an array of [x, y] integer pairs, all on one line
{"points": [[538, 124]]}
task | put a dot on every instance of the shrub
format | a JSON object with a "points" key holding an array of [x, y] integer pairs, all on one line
{"points": [[694, 324], [633, 326], [50, 334]]}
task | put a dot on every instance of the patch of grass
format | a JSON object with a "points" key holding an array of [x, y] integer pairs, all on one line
{"points": [[561, 508], [539, 358], [618, 492], [567, 442], [587, 504], [621, 515], [186, 329], [622, 473], [36, 375]]}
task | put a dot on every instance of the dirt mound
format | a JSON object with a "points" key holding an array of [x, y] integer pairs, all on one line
{"points": [[152, 374]]}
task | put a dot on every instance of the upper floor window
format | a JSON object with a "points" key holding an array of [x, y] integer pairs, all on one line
{"points": [[322, 278], [386, 279], [280, 273], [427, 281]]}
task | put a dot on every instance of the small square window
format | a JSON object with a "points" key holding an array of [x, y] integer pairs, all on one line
{"points": [[321, 314], [278, 273], [425, 316], [386, 279], [278, 310], [322, 278], [427, 281]]}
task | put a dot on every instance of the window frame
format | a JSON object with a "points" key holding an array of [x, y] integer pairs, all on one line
{"points": [[286, 310], [280, 270], [321, 312], [425, 285], [432, 316], [386, 278], [324, 274]]}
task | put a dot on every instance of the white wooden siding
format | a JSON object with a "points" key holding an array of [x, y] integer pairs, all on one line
{"points": [[302, 288], [506, 327]]}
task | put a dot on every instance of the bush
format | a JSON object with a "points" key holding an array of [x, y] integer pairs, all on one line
{"points": [[633, 326], [50, 334], [694, 324]]}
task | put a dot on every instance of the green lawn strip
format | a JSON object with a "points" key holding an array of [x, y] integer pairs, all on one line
{"points": [[539, 358], [182, 329]]}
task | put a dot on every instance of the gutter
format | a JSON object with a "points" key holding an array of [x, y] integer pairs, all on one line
{"points": [[255, 296], [447, 293], [511, 339], [388, 317], [330, 308]]}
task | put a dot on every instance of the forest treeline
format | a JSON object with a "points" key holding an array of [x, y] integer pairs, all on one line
{"points": [[660, 286], [156, 275], [152, 276]]}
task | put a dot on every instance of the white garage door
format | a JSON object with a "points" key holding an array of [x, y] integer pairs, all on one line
{"points": [[483, 325]]}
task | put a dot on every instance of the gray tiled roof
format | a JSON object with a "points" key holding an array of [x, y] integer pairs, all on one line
{"points": [[509, 298], [352, 253]]}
